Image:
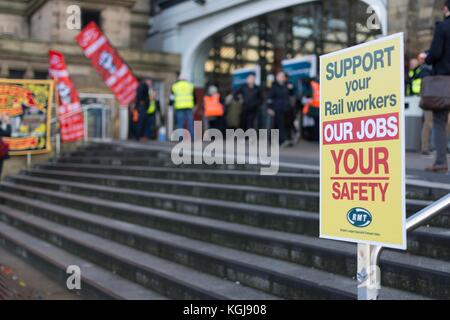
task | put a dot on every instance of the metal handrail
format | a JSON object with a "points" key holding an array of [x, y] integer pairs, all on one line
{"points": [[368, 271], [415, 221]]}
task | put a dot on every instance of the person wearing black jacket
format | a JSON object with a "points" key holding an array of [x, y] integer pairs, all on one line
{"points": [[142, 104], [279, 104], [439, 57], [5, 131], [252, 99]]}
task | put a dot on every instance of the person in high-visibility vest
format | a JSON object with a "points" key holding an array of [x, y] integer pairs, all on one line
{"points": [[311, 111], [213, 109], [183, 101], [311, 108], [417, 71], [153, 107]]}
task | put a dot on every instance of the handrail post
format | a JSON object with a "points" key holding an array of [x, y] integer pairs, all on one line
{"points": [[368, 271], [28, 160], [58, 144]]}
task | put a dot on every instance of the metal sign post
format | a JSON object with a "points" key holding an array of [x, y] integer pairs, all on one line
{"points": [[29, 160], [368, 272], [58, 144], [170, 121]]}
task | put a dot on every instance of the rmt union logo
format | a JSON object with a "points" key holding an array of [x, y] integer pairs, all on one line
{"points": [[359, 217]]}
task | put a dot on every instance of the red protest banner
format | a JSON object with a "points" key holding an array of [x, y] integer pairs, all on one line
{"points": [[105, 59], [70, 114]]}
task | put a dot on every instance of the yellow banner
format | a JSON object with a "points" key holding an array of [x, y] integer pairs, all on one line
{"points": [[28, 103], [362, 194]]}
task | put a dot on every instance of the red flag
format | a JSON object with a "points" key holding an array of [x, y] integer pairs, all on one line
{"points": [[105, 59], [71, 120]]}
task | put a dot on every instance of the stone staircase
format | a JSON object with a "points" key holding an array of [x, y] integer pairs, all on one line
{"points": [[141, 228]]}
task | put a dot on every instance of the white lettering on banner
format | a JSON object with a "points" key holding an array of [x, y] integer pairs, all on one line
{"points": [[369, 129], [122, 71], [119, 73], [95, 46], [71, 124], [116, 74], [58, 73]]}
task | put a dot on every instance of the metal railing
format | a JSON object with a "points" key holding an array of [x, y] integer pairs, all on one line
{"points": [[102, 134], [369, 274]]}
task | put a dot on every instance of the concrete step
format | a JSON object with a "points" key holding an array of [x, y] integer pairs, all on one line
{"points": [[256, 215], [418, 274], [415, 189], [278, 198], [241, 194], [165, 277], [148, 161], [290, 181], [123, 153], [285, 279], [267, 274], [96, 282]]}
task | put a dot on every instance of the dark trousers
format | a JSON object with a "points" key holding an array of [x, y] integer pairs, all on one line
{"points": [[185, 117], [1, 168], [140, 126], [150, 123], [217, 123], [279, 122], [248, 120], [440, 119]]}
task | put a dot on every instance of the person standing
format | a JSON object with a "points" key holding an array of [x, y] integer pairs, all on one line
{"points": [[153, 107], [183, 101], [142, 103], [133, 119], [418, 70], [5, 131], [439, 57], [279, 104], [311, 110], [252, 99], [233, 110], [214, 109]]}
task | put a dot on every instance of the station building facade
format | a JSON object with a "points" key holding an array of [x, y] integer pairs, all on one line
{"points": [[29, 28], [215, 37]]}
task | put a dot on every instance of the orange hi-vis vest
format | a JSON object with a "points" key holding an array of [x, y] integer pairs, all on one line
{"points": [[315, 103], [212, 105]]}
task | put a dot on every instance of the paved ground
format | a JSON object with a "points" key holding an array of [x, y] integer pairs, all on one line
{"points": [[308, 153], [30, 283]]}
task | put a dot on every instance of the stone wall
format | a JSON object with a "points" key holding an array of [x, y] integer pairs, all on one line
{"points": [[126, 23], [416, 18], [13, 25]]}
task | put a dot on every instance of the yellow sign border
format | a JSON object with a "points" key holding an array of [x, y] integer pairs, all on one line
{"points": [[403, 245], [51, 83]]}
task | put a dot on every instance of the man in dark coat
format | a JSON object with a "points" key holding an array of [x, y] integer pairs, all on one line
{"points": [[142, 104], [252, 99], [439, 58], [279, 104]]}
